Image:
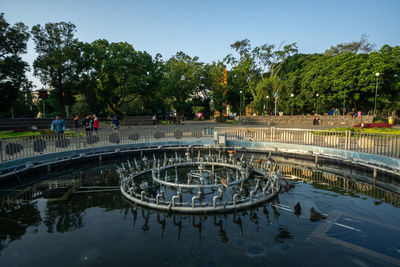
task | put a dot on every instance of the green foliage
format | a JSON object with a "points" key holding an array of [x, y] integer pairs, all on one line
{"points": [[81, 107], [352, 47], [344, 79], [57, 64], [13, 82], [395, 131], [214, 76], [181, 80], [115, 75], [197, 109], [12, 134], [113, 78], [254, 68]]}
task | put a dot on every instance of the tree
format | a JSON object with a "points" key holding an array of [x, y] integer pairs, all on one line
{"points": [[57, 61], [181, 80], [116, 74], [214, 82], [352, 47], [13, 81], [257, 64]]}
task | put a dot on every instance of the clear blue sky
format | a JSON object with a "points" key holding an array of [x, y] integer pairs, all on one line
{"points": [[206, 28]]}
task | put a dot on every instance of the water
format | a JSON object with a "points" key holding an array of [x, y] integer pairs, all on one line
{"points": [[95, 226]]}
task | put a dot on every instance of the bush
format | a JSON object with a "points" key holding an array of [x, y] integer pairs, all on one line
{"points": [[375, 125]]}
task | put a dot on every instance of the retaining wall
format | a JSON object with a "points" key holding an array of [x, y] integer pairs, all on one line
{"points": [[301, 121]]}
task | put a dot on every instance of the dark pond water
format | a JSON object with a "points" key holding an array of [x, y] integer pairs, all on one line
{"points": [[94, 226]]}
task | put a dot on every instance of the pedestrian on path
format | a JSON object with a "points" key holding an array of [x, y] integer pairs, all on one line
{"points": [[95, 123], [58, 125], [154, 119], [76, 120], [88, 123], [115, 124]]}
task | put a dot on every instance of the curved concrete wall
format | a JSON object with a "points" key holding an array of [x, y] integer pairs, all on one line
{"points": [[20, 165]]}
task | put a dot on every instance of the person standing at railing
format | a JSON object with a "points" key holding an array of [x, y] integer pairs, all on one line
{"points": [[58, 125], [76, 120], [115, 126], [315, 120], [87, 128], [95, 123], [154, 119], [88, 123]]}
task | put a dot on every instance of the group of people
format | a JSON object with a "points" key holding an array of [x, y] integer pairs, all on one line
{"points": [[90, 123]]}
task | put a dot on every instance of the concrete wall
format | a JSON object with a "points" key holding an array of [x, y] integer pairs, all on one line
{"points": [[301, 121]]}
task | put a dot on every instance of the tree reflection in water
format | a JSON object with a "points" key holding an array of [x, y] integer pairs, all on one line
{"points": [[267, 227]]}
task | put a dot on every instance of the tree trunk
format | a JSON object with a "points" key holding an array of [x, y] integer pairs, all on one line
{"points": [[115, 111], [221, 115], [61, 104]]}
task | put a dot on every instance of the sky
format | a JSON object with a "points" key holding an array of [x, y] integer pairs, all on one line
{"points": [[206, 28]]}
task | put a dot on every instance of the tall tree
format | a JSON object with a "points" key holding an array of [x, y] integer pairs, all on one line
{"points": [[353, 47], [214, 81], [116, 74], [13, 81], [257, 64], [57, 61], [181, 80]]}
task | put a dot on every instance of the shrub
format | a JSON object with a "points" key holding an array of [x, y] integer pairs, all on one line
{"points": [[375, 125]]}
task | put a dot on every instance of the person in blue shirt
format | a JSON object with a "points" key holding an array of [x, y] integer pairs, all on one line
{"points": [[115, 127], [58, 125], [115, 124]]}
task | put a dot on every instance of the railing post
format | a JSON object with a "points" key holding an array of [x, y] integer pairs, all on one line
{"points": [[78, 136], [1, 151], [347, 140], [272, 134]]}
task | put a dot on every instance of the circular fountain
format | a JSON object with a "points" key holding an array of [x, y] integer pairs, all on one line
{"points": [[211, 184]]}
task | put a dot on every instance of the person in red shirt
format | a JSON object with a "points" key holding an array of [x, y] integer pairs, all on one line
{"points": [[95, 123]]}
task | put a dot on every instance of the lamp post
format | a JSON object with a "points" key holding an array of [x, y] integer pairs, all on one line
{"points": [[376, 90], [292, 95], [241, 103], [266, 100], [316, 109], [276, 97]]}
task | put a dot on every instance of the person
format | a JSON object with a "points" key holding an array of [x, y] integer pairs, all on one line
{"points": [[76, 120], [87, 123], [224, 182], [58, 125], [115, 127], [315, 120], [115, 124], [154, 119], [95, 123], [353, 113]]}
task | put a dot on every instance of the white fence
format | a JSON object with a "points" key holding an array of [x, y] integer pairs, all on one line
{"points": [[20, 147]]}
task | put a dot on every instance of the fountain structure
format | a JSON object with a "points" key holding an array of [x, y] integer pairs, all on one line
{"points": [[202, 184]]}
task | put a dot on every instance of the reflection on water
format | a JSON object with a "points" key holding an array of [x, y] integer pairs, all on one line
{"points": [[81, 218], [342, 185]]}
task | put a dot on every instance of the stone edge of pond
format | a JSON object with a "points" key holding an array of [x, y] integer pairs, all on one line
{"points": [[19, 166]]}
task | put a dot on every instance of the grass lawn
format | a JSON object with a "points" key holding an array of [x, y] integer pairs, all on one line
{"points": [[8, 134], [18, 134]]}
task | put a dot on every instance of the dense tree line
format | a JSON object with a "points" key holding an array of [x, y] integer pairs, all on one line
{"points": [[114, 78]]}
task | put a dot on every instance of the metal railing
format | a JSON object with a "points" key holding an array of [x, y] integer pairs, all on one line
{"points": [[372, 143], [27, 146]]}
